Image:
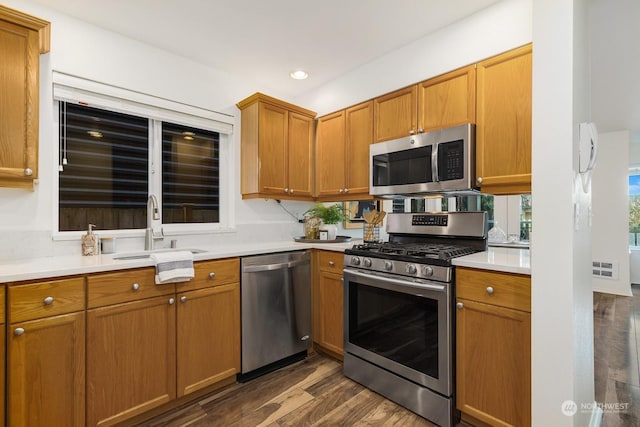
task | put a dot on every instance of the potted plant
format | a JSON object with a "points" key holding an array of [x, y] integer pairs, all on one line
{"points": [[330, 216]]}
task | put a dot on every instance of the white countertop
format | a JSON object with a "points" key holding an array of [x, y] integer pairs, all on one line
{"points": [[498, 259], [509, 260], [69, 265]]}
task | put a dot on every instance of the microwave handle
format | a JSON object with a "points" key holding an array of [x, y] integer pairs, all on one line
{"points": [[434, 163]]}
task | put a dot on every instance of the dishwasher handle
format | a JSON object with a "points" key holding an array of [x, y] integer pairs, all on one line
{"points": [[271, 267]]}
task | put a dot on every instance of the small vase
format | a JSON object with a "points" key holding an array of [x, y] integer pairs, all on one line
{"points": [[331, 229]]}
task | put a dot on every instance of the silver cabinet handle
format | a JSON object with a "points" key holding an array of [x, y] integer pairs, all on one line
{"points": [[331, 263], [479, 180], [28, 172], [212, 275], [48, 301], [183, 299], [172, 301], [459, 305], [135, 287], [18, 331], [489, 290]]}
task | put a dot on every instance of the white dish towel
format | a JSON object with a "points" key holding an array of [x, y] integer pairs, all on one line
{"points": [[172, 267]]}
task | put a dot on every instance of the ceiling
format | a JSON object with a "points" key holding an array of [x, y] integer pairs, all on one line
{"points": [[262, 41]]}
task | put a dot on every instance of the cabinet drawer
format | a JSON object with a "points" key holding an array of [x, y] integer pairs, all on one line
{"points": [[331, 261], [212, 273], [43, 299], [124, 286], [490, 287]]}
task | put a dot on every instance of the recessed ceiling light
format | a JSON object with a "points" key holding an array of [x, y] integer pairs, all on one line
{"points": [[299, 74]]}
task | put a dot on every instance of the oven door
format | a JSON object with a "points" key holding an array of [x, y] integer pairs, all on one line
{"points": [[400, 324]]}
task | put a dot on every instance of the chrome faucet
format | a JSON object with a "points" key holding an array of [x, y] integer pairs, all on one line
{"points": [[150, 235]]}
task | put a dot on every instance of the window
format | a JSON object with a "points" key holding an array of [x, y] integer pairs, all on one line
{"points": [[634, 210], [107, 170]]}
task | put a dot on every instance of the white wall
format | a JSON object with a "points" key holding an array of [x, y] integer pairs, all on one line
{"points": [[90, 52], [562, 296], [501, 27], [611, 210]]}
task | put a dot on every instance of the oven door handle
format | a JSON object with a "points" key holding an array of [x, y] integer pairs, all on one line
{"points": [[399, 282]]}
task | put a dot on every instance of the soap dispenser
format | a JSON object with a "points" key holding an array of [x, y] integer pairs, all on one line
{"points": [[90, 242]]}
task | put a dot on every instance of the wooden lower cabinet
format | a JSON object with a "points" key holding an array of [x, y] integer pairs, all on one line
{"points": [[131, 365], [208, 337], [493, 347], [46, 371], [328, 296]]}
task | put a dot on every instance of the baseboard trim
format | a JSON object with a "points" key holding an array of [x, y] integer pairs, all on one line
{"points": [[596, 416]]}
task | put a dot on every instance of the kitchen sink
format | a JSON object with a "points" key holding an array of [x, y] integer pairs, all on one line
{"points": [[147, 254]]}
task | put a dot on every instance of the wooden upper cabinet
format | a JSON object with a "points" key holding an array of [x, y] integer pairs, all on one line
{"points": [[359, 136], [447, 100], [276, 149], [342, 153], [503, 128], [330, 155], [395, 114], [22, 38]]}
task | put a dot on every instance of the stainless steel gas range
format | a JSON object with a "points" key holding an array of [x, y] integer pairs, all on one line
{"points": [[398, 309]]}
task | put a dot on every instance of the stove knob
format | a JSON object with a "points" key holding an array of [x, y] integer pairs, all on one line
{"points": [[355, 260], [411, 269], [388, 265], [427, 270], [367, 262]]}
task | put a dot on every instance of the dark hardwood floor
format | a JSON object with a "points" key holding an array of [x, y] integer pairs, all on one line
{"points": [[314, 391], [617, 365]]}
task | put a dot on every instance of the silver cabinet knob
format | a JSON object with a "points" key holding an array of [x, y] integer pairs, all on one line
{"points": [[172, 301], [135, 287], [291, 191], [331, 263], [286, 190], [459, 305], [341, 190], [420, 130], [489, 290], [412, 132], [183, 299], [48, 301], [212, 275], [479, 180], [346, 190], [28, 172], [18, 331]]}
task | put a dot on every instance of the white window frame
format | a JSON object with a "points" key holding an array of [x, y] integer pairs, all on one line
{"points": [[74, 89]]}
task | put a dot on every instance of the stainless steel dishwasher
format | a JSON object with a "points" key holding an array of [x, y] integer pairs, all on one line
{"points": [[276, 311]]}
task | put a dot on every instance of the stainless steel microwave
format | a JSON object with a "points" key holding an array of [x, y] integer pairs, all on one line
{"points": [[441, 161]]}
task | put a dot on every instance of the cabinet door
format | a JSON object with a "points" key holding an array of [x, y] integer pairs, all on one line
{"points": [[19, 105], [300, 159], [395, 114], [359, 135], [503, 129], [131, 365], [208, 337], [447, 100], [273, 130], [493, 363], [330, 175], [46, 371], [330, 301]]}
